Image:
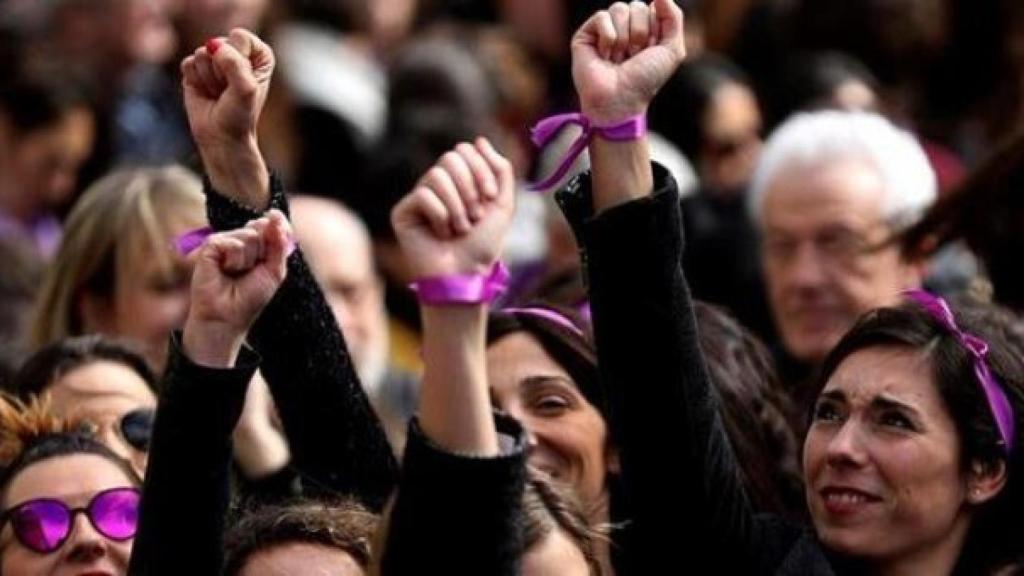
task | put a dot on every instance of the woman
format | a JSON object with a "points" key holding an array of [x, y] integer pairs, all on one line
{"points": [[911, 460], [46, 133], [51, 474], [99, 381], [114, 272]]}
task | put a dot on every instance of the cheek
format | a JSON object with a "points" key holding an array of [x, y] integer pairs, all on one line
{"points": [[19, 561]]}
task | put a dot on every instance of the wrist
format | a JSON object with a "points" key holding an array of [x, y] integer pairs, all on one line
{"points": [[462, 289], [236, 169], [211, 344], [620, 172]]}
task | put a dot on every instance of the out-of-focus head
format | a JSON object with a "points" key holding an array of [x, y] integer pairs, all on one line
{"points": [[100, 382], [199, 20], [710, 111], [337, 246], [904, 456], [116, 272], [50, 471], [544, 374], [46, 133], [830, 191], [104, 36], [824, 80], [301, 538]]}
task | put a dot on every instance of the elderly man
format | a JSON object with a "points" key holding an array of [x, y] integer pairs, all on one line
{"points": [[830, 189], [337, 246]]}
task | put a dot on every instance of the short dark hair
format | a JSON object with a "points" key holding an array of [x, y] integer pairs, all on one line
{"points": [[993, 539], [55, 360], [342, 524]]}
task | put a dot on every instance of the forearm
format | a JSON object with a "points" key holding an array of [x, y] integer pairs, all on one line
{"points": [[455, 409], [185, 497]]}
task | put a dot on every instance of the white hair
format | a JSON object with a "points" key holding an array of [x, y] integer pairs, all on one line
{"points": [[817, 138]]}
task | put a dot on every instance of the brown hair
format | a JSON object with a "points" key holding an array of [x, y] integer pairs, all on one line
{"points": [[345, 525], [549, 506]]}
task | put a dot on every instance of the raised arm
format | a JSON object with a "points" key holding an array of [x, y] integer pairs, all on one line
{"points": [[677, 465], [336, 440], [185, 497], [457, 484]]}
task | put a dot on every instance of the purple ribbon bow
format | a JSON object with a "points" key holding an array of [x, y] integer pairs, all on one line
{"points": [[545, 131], [998, 403]]}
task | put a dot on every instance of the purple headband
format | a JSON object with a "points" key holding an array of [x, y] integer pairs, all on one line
{"points": [[547, 314], [998, 403]]}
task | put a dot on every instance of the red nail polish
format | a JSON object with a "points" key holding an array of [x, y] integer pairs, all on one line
{"points": [[212, 45]]}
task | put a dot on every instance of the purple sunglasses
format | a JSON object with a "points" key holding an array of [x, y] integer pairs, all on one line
{"points": [[44, 524]]}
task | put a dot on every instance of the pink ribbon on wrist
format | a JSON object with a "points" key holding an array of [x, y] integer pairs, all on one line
{"points": [[462, 288], [544, 132]]}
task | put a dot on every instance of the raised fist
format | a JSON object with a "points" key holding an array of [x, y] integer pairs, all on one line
{"points": [[622, 56], [455, 219]]}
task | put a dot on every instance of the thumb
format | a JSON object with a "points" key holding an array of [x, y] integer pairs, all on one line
{"points": [[279, 245]]}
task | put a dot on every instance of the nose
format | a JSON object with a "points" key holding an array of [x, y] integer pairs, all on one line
{"points": [[807, 269], [845, 448], [85, 544]]}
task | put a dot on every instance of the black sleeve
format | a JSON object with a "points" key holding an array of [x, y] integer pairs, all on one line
{"points": [[457, 514], [337, 442], [186, 492], [680, 474]]}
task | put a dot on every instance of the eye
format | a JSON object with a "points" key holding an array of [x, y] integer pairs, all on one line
{"points": [[895, 419], [551, 404], [827, 411]]}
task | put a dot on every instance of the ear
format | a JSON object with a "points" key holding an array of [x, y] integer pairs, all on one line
{"points": [[985, 481], [96, 312], [918, 261], [611, 460]]}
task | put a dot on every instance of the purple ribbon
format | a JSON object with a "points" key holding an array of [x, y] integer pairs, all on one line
{"points": [[549, 315], [545, 131], [998, 403], [462, 288], [188, 242]]}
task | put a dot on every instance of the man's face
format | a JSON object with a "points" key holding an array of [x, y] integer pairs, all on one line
{"points": [[822, 227], [339, 254]]}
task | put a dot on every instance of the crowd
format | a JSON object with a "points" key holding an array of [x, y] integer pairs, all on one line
{"points": [[291, 288]]}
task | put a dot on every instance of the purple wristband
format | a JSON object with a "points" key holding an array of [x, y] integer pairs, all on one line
{"points": [[545, 131], [462, 288]]}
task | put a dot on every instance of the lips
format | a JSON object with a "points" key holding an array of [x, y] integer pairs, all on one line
{"points": [[845, 500]]}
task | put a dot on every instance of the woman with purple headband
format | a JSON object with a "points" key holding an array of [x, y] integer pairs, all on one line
{"points": [[912, 458]]}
